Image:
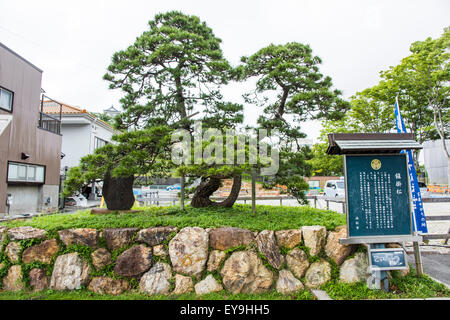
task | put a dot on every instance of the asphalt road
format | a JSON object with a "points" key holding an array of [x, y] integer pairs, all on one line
{"points": [[436, 265]]}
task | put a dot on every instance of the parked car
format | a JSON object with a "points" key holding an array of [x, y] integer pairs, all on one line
{"points": [[175, 186], [334, 188], [78, 200]]}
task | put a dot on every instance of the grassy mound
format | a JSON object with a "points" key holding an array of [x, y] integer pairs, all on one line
{"points": [[265, 218]]}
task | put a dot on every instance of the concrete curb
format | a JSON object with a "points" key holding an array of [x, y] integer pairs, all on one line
{"points": [[436, 280], [321, 295]]}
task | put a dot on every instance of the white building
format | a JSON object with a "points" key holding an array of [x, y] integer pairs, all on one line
{"points": [[435, 161], [82, 132]]}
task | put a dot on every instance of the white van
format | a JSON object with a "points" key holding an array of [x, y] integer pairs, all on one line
{"points": [[334, 189]]}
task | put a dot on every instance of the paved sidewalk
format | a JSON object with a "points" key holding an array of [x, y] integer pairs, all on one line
{"points": [[322, 295], [68, 209], [435, 265]]}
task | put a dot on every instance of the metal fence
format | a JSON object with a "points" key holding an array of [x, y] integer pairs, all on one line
{"points": [[49, 123]]}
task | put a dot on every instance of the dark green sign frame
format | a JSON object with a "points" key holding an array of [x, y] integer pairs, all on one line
{"points": [[378, 199]]}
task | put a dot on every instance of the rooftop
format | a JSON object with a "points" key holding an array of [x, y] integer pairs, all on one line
{"points": [[20, 57], [357, 143], [51, 107], [111, 109]]}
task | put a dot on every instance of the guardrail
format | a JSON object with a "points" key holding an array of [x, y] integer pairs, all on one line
{"points": [[316, 198], [437, 235], [281, 198], [249, 198], [154, 198]]}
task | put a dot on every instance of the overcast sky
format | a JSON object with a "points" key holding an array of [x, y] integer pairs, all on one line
{"points": [[73, 41]]}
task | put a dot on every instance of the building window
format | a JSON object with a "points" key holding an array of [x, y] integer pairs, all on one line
{"points": [[22, 172], [99, 143], [6, 99]]}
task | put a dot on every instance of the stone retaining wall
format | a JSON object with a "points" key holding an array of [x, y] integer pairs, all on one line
{"points": [[166, 260]]}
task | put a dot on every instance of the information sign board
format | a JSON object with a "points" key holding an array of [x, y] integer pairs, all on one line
{"points": [[377, 195]]}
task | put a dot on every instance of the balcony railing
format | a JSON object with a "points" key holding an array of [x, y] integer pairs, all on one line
{"points": [[48, 122]]}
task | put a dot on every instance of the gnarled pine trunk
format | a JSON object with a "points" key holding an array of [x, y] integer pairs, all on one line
{"points": [[208, 187], [118, 192]]}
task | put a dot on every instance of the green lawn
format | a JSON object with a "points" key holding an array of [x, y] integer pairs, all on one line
{"points": [[265, 218], [84, 294]]}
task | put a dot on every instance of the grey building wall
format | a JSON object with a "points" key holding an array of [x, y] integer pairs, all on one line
{"points": [[435, 161], [32, 198], [49, 195], [25, 199]]}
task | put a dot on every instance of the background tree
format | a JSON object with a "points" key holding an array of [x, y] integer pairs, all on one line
{"points": [[371, 111], [292, 90], [421, 83], [428, 69], [104, 117], [323, 164], [369, 114]]}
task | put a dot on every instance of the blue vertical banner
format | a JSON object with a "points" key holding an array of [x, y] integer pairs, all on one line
{"points": [[418, 214]]}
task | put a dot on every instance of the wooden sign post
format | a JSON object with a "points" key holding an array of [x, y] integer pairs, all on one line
{"points": [[182, 191], [253, 191]]}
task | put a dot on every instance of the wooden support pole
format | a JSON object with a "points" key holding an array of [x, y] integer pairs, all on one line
{"points": [[253, 191], [182, 183], [418, 258], [447, 236]]}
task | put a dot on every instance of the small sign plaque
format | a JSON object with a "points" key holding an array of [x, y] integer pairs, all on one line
{"points": [[388, 259]]}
